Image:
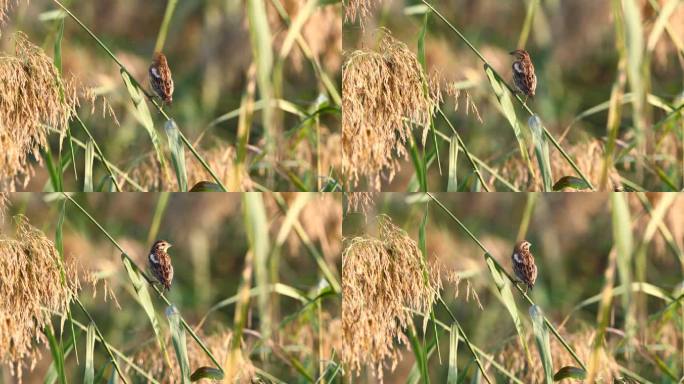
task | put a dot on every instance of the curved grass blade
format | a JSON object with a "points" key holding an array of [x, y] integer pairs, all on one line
{"points": [[177, 154], [508, 110], [420, 353], [178, 336], [452, 377], [541, 334], [88, 169], [143, 115], [57, 354], [542, 151], [256, 225], [260, 36], [503, 285], [452, 182], [144, 299], [89, 374], [206, 373], [571, 182], [622, 238], [569, 372], [206, 186]]}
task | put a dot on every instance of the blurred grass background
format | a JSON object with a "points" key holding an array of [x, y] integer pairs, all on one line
{"points": [[575, 240], [210, 46], [288, 335], [585, 52]]}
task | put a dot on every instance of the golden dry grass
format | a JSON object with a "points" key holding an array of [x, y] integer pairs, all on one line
{"points": [[385, 93], [30, 101], [360, 201], [152, 177], [32, 287], [360, 9], [588, 155], [381, 278], [513, 358], [218, 343]]}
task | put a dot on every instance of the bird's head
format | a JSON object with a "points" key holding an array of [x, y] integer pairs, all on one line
{"points": [[520, 54], [161, 245], [523, 245]]}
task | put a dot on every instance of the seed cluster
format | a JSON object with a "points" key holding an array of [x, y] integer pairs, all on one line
{"points": [[32, 289], [382, 279], [31, 101], [385, 93]]}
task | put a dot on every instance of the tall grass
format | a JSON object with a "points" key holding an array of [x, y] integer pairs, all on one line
{"points": [[632, 155], [170, 345], [282, 153], [626, 331]]}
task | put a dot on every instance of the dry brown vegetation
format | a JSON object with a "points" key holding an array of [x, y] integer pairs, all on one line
{"points": [[33, 97], [34, 283], [381, 278], [385, 94]]}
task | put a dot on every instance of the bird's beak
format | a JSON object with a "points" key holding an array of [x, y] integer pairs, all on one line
{"points": [[511, 53]]}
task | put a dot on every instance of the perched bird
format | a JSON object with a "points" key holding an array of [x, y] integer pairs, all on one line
{"points": [[160, 263], [523, 264], [160, 78], [523, 73]]}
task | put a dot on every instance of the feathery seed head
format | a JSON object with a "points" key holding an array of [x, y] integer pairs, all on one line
{"points": [[381, 278], [32, 288], [385, 93], [31, 100]]}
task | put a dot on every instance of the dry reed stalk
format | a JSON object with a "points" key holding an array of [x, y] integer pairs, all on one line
{"points": [[385, 93], [32, 288], [31, 99], [381, 278]]}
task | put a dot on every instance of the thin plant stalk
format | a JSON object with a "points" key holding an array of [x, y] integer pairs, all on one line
{"points": [[164, 30], [115, 351], [481, 163], [462, 333], [517, 96], [99, 153], [147, 278], [109, 165], [465, 150], [513, 281], [149, 96], [99, 334]]}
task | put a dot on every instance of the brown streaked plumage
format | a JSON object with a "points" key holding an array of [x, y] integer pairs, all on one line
{"points": [[160, 78], [523, 263], [160, 263], [523, 73]]}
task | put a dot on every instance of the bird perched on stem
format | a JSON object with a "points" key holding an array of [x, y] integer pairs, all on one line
{"points": [[160, 263], [160, 78], [523, 73], [523, 264]]}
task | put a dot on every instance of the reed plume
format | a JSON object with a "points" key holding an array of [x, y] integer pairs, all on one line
{"points": [[385, 93], [382, 278], [32, 287], [33, 97]]}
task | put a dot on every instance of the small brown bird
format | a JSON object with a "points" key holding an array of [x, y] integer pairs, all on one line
{"points": [[523, 264], [160, 263], [160, 78], [523, 73]]}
